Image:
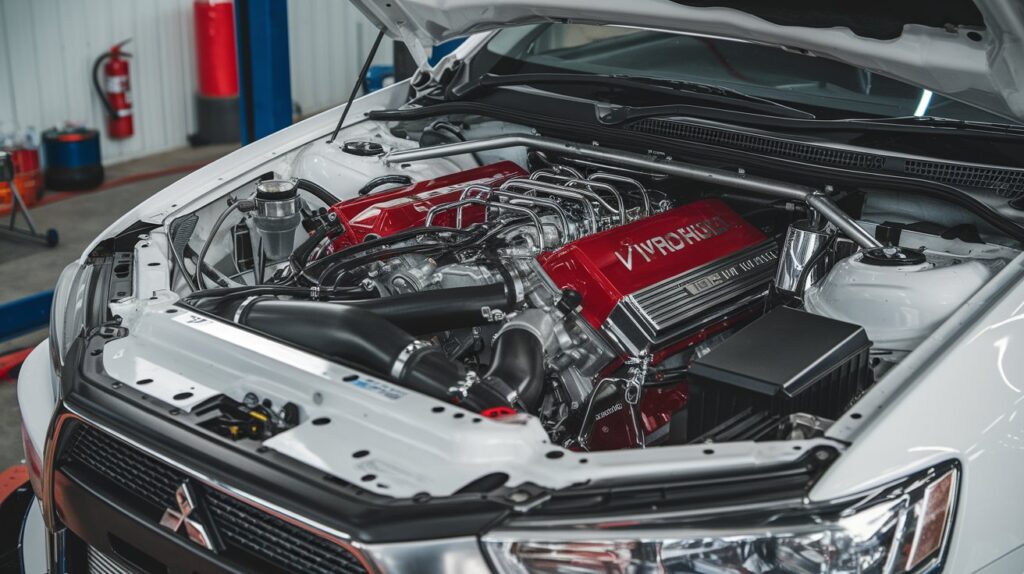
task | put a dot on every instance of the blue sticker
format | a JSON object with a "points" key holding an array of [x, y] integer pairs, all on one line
{"points": [[384, 390]]}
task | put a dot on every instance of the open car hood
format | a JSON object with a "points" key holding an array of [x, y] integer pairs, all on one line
{"points": [[968, 51]]}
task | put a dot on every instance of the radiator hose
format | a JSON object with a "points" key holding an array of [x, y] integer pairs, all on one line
{"points": [[370, 335]]}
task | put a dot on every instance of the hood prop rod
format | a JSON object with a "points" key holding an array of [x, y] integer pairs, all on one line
{"points": [[810, 196], [357, 84]]}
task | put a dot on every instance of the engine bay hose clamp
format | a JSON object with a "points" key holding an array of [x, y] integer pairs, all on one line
{"points": [[404, 355], [243, 310], [515, 291]]}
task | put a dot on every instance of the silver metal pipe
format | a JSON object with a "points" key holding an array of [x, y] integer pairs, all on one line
{"points": [[570, 182], [836, 216], [475, 201], [483, 192], [713, 176], [614, 177], [553, 188], [549, 188]]}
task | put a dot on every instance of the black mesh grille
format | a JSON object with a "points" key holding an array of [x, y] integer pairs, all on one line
{"points": [[759, 144], [130, 470], [1008, 183], [287, 546], [244, 529]]}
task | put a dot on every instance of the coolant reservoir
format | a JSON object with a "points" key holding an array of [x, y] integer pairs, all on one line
{"points": [[898, 305]]}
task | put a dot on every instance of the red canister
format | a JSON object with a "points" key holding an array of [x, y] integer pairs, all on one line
{"points": [[25, 159], [215, 48]]}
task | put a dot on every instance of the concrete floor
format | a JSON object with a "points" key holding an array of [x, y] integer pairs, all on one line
{"points": [[27, 267]]}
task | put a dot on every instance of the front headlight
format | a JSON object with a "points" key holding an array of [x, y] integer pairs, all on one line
{"points": [[67, 312], [897, 529]]}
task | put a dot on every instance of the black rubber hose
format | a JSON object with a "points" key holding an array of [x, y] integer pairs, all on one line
{"points": [[440, 309], [360, 337], [299, 258], [99, 89], [518, 362], [367, 245], [391, 179], [317, 191], [225, 301], [353, 335]]}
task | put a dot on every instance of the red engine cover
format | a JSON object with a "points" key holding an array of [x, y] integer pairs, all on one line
{"points": [[609, 266], [383, 214]]}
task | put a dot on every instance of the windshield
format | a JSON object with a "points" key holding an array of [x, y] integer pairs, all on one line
{"points": [[828, 88]]}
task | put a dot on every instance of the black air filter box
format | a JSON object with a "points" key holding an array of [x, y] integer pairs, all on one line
{"points": [[786, 362]]}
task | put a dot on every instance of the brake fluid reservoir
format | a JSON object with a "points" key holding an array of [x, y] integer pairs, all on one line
{"points": [[898, 305]]}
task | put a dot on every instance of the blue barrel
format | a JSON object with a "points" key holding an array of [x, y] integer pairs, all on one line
{"points": [[72, 159]]}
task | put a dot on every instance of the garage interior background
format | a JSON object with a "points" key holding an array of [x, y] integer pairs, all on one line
{"points": [[47, 48]]}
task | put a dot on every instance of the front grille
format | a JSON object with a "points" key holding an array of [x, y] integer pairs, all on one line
{"points": [[100, 563], [760, 144], [247, 531], [129, 469]]}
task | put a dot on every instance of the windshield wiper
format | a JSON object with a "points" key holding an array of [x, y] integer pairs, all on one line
{"points": [[938, 122], [692, 91]]}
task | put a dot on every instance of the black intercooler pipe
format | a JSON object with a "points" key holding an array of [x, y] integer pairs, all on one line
{"points": [[440, 309], [518, 361], [365, 335]]}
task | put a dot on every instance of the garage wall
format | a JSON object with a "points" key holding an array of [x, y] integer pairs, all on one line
{"points": [[47, 48], [328, 42]]}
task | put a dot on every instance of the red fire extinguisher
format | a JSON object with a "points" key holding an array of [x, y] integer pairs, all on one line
{"points": [[115, 91]]}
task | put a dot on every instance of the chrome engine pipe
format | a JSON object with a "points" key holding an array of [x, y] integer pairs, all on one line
{"points": [[616, 178], [570, 182], [755, 184], [474, 201], [484, 192], [534, 186]]}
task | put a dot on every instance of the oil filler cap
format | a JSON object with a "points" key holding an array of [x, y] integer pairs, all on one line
{"points": [[893, 256], [362, 148]]}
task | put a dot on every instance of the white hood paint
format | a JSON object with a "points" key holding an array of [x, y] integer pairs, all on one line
{"points": [[987, 73]]}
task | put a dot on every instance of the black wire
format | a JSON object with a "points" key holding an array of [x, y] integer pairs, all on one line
{"points": [[813, 262], [317, 191], [356, 86], [384, 242]]}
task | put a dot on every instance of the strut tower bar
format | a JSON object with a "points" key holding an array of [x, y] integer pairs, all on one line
{"points": [[814, 198]]}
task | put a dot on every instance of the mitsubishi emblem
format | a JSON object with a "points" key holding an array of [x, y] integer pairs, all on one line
{"points": [[173, 519]]}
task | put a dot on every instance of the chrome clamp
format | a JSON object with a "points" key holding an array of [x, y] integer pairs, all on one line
{"points": [[404, 355]]}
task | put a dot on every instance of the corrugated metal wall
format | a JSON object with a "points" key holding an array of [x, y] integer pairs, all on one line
{"points": [[47, 48], [328, 41]]}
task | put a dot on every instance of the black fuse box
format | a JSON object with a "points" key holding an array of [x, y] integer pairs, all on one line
{"points": [[788, 361]]}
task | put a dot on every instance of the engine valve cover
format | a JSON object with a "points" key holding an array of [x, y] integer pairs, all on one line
{"points": [[388, 212], [668, 275]]}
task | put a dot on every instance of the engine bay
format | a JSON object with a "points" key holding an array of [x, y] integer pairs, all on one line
{"points": [[621, 307]]}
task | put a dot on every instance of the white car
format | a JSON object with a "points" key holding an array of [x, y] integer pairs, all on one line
{"points": [[683, 286]]}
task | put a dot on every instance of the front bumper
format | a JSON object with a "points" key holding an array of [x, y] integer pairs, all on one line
{"points": [[22, 534], [109, 493]]}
